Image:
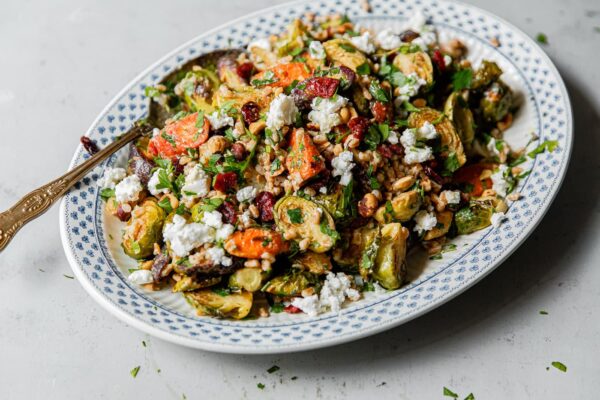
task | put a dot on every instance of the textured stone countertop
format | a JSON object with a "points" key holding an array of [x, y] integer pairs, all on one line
{"points": [[62, 61]]}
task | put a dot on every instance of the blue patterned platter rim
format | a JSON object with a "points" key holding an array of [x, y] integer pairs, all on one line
{"points": [[82, 221]]}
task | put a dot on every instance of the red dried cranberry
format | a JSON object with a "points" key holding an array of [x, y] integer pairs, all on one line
{"points": [[385, 150], [239, 151], [301, 99], [245, 70], [89, 145], [290, 309], [438, 59], [265, 201], [432, 174], [229, 213], [321, 87], [397, 149], [348, 77], [408, 36], [381, 111], [122, 214], [358, 126], [250, 112], [225, 181]]}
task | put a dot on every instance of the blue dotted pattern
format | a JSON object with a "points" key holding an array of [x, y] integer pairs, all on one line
{"points": [[82, 212]]}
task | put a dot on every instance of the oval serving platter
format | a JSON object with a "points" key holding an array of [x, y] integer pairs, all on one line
{"points": [[91, 240]]}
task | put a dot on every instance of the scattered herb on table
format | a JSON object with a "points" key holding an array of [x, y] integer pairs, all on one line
{"points": [[560, 366], [542, 38], [274, 368], [135, 371]]}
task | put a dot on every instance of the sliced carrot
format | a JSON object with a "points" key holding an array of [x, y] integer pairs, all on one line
{"points": [[471, 174], [285, 74], [175, 138], [303, 160], [254, 242]]}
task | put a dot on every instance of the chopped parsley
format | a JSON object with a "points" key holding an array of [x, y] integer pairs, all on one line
{"points": [[377, 91], [326, 229], [462, 79], [260, 385], [451, 164], [449, 393], [347, 47], [165, 204], [151, 92], [168, 138], [211, 204], [68, 276], [295, 215], [276, 308], [549, 145], [144, 343], [135, 371], [267, 79], [542, 38], [107, 193], [542, 312], [363, 69], [560, 366], [274, 368]]}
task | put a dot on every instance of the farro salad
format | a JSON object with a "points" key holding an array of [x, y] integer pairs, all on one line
{"points": [[295, 175]]}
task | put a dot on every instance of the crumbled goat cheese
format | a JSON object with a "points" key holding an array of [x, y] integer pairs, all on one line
{"points": [[424, 221], [409, 86], [246, 194], [155, 132], [417, 154], [451, 196], [388, 40], [447, 60], [111, 177], [342, 166], [497, 219], [325, 112], [393, 137], [426, 132], [140, 277], [418, 23], [153, 183], [282, 111], [262, 43], [224, 232], [128, 189], [316, 50], [214, 219], [499, 184], [378, 289], [219, 119], [323, 190], [245, 218], [363, 42], [183, 237], [196, 185], [217, 256], [492, 147], [336, 289]]}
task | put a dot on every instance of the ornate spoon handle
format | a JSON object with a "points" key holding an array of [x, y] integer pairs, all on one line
{"points": [[38, 201]]}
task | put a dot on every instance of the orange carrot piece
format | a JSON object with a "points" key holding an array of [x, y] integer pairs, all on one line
{"points": [[472, 174], [303, 160], [285, 74], [175, 138], [254, 242]]}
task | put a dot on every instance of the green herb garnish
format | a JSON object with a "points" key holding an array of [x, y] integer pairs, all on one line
{"points": [[135, 371], [549, 145], [462, 79], [295, 215], [363, 69], [260, 385], [274, 368], [377, 91], [560, 366], [449, 393], [107, 193], [542, 38], [268, 78]]}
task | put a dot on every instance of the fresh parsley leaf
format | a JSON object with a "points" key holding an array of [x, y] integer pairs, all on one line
{"points": [[449, 393], [275, 165], [326, 229], [363, 69], [276, 308], [168, 138], [260, 385], [560, 366], [347, 47], [211, 204], [152, 92], [165, 204], [462, 79], [372, 138], [377, 91], [542, 38], [542, 312], [409, 107], [373, 182], [268, 78], [68, 276], [135, 247], [223, 292], [135, 371], [295, 215], [274, 368], [107, 193], [451, 164], [549, 145], [296, 51], [470, 397]]}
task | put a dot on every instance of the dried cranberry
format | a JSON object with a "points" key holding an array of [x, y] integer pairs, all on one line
{"points": [[265, 201], [89, 145], [225, 181], [158, 266], [385, 150], [228, 211], [438, 59], [432, 174], [319, 181], [245, 70], [397, 149], [358, 126], [408, 36], [301, 99], [250, 112], [290, 309], [381, 111], [321, 87], [348, 77], [122, 214], [239, 151]]}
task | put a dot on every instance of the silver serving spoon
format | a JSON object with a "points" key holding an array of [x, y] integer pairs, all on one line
{"points": [[38, 201]]}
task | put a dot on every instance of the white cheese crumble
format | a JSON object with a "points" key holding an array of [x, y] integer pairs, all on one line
{"points": [[262, 43], [325, 112], [418, 23], [451, 196], [426, 131], [316, 50], [447, 60], [140, 277], [323, 189], [246, 194], [282, 111], [425, 221], [388, 40], [492, 147], [393, 137], [197, 184], [417, 154], [363, 42], [336, 289], [128, 189], [153, 183], [218, 257], [499, 184], [245, 218], [214, 219], [111, 177], [342, 167], [409, 86], [497, 219], [219, 119]]}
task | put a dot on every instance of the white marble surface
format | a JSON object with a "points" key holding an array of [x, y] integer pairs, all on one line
{"points": [[62, 61]]}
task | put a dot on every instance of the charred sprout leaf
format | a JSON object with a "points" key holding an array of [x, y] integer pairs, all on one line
{"points": [[496, 101], [390, 263], [223, 304], [290, 284], [462, 79], [249, 279]]}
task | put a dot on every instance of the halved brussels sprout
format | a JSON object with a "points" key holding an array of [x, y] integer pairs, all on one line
{"points": [[290, 284], [197, 89], [188, 283], [444, 220], [308, 220], [293, 40], [368, 257], [315, 263], [403, 207], [458, 111], [477, 215], [143, 229], [390, 263], [217, 304], [249, 279], [445, 128], [343, 52], [352, 246], [418, 62], [496, 101], [486, 74]]}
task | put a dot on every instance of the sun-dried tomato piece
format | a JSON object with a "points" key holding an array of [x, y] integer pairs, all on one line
{"points": [[245, 70], [358, 126], [397, 149], [321, 86], [265, 201], [381, 112], [290, 309], [250, 112], [225, 181], [229, 213]]}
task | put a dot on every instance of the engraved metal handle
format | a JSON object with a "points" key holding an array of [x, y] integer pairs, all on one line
{"points": [[38, 201]]}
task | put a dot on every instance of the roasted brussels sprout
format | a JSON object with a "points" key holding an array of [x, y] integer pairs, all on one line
{"points": [[445, 128], [457, 110], [315, 263], [293, 40], [343, 52], [477, 215], [220, 303], [249, 279], [197, 89], [496, 101], [189, 283], [390, 263], [368, 257], [353, 245], [486, 74], [402, 209], [290, 284], [444, 220], [418, 62], [227, 72], [143, 229], [308, 220]]}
